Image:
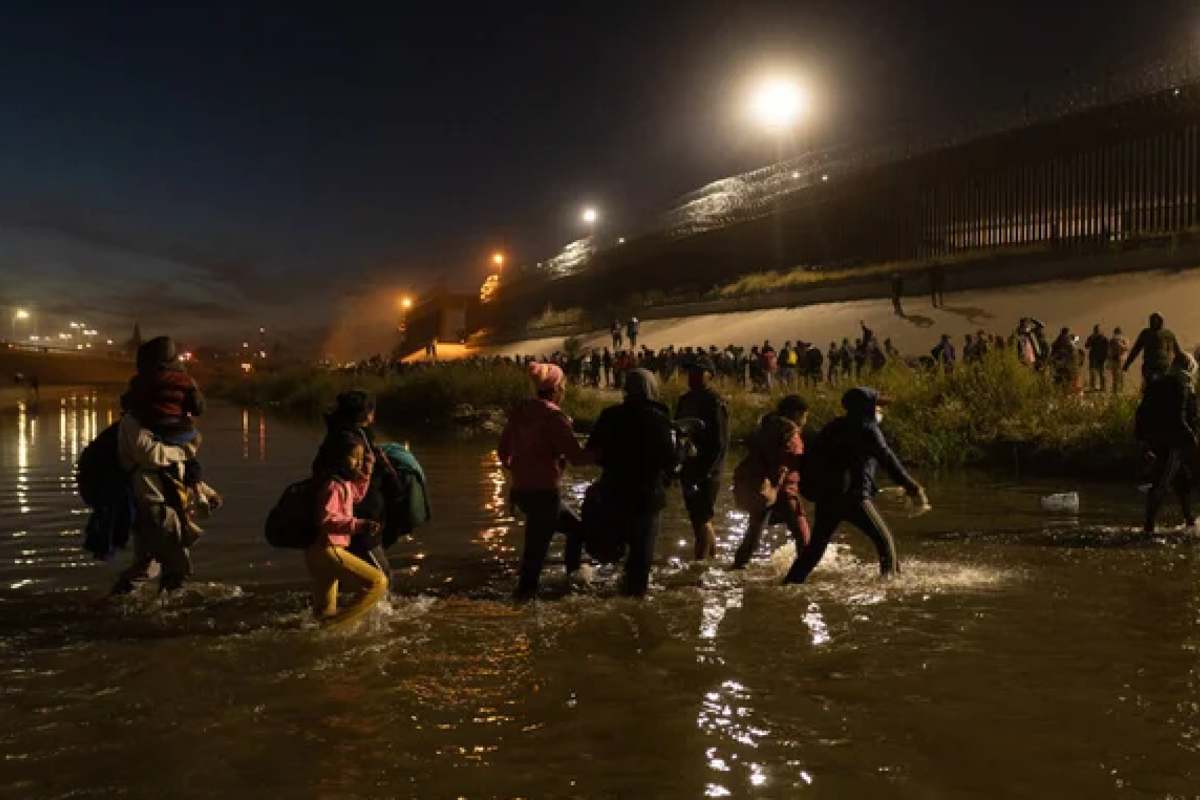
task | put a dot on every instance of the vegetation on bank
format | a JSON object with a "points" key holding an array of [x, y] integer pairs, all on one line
{"points": [[995, 413]]}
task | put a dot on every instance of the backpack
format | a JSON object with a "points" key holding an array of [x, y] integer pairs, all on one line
{"points": [[292, 522], [98, 475], [821, 475], [603, 536], [408, 508], [104, 485]]}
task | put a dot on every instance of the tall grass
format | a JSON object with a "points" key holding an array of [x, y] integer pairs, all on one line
{"points": [[988, 413], [980, 414]]}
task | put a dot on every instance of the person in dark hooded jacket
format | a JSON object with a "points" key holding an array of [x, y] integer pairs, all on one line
{"points": [[1167, 423], [633, 444], [1157, 346], [848, 452]]}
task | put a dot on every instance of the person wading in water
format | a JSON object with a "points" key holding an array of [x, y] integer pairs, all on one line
{"points": [[536, 445], [840, 478], [700, 478]]}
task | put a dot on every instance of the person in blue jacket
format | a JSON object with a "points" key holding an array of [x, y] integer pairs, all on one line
{"points": [[841, 478]]}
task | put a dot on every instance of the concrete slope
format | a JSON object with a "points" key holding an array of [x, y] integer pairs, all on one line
{"points": [[1125, 300]]}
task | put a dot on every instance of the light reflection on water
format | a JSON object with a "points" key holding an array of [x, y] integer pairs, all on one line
{"points": [[1068, 650]]}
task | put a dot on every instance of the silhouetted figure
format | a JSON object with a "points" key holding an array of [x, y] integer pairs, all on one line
{"points": [[937, 285]]}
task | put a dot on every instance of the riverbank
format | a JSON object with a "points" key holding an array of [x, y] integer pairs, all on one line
{"points": [[994, 414], [1124, 300]]}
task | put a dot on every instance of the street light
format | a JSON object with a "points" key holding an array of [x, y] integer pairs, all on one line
{"points": [[498, 259], [778, 103], [406, 302], [589, 215]]}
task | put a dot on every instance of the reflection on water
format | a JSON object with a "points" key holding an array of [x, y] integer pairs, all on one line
{"points": [[1067, 650]]}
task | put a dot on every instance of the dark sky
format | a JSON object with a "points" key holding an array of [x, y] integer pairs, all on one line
{"points": [[205, 169]]}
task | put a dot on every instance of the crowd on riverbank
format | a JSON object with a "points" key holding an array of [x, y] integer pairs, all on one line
{"points": [[1076, 363]]}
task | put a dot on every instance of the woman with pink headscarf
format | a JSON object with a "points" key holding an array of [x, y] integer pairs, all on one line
{"points": [[535, 447]]}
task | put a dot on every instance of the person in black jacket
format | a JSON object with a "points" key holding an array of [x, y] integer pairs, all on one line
{"points": [[354, 414], [847, 453], [634, 446], [1167, 424], [700, 477]]}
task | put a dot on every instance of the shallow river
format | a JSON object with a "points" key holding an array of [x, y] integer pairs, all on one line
{"points": [[1021, 654]]}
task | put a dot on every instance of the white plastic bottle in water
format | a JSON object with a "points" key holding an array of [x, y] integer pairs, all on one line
{"points": [[1063, 501]]}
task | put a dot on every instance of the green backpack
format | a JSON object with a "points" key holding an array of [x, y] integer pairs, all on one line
{"points": [[410, 509]]}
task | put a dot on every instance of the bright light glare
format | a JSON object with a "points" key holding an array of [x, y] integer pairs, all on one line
{"points": [[406, 302], [21, 314], [498, 259], [778, 103], [589, 215]]}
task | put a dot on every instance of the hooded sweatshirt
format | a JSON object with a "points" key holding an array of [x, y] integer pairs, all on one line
{"points": [[634, 446], [536, 443], [855, 446]]}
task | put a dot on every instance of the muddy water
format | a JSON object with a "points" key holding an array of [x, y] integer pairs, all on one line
{"points": [[1020, 655]]}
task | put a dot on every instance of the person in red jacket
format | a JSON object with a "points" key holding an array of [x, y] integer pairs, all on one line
{"points": [[766, 484], [535, 447]]}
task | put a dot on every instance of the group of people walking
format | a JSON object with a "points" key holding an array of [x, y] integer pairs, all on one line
{"points": [[637, 442], [642, 448]]}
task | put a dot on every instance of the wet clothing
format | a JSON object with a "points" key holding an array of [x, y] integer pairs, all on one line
{"points": [[328, 566], [766, 484], [158, 533], [852, 448], [535, 446], [1157, 348], [701, 474], [642, 530], [636, 452], [1168, 411], [830, 513], [545, 515], [1167, 422], [700, 498]]}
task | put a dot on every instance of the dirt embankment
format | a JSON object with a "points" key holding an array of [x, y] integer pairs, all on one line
{"points": [[1123, 300]]}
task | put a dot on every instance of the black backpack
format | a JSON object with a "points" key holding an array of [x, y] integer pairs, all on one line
{"points": [[822, 475], [603, 536], [292, 523], [104, 485], [98, 475]]}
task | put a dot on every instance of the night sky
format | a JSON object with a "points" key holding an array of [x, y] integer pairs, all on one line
{"points": [[205, 171]]}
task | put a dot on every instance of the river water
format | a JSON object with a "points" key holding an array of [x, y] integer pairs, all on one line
{"points": [[1021, 654]]}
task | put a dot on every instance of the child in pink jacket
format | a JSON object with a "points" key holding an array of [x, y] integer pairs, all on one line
{"points": [[345, 475]]}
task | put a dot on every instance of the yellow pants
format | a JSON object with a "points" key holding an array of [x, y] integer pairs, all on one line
{"points": [[327, 565]]}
